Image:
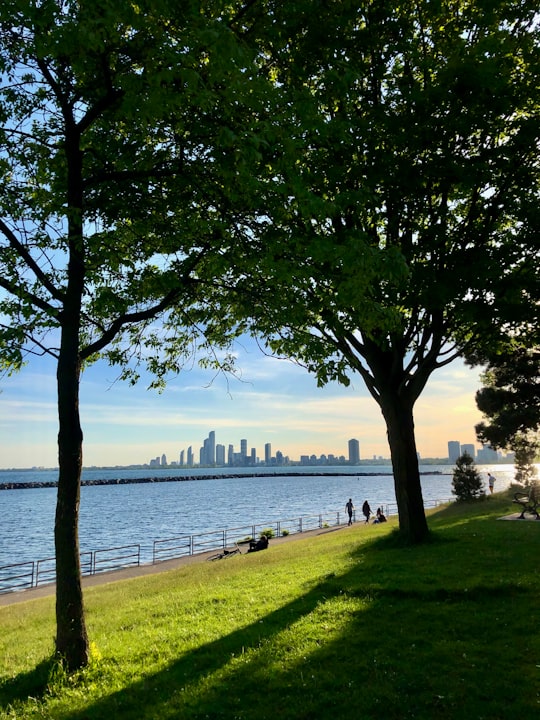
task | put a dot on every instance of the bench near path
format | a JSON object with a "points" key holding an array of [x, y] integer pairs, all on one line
{"points": [[529, 501]]}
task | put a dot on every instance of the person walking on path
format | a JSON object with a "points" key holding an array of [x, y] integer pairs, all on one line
{"points": [[366, 510], [491, 482], [349, 507]]}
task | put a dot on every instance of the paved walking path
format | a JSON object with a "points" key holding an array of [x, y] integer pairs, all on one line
{"points": [[142, 570]]}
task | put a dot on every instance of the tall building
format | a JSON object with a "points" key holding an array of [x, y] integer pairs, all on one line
{"points": [[487, 455], [243, 450], [190, 456], [220, 454], [354, 451], [268, 453], [230, 455], [454, 450], [469, 449], [211, 449], [181, 463], [164, 460]]}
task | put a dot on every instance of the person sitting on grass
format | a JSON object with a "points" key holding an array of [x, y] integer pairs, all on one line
{"points": [[260, 544], [380, 518]]}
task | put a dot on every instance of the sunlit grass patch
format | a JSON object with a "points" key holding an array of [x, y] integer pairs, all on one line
{"points": [[346, 624]]}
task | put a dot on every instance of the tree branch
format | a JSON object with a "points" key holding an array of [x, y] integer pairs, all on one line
{"points": [[26, 256]]}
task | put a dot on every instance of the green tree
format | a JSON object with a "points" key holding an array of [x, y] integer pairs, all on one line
{"points": [[466, 481], [128, 152], [510, 398], [414, 188], [525, 449], [510, 403]]}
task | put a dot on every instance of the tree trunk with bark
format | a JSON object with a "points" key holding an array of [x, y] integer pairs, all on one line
{"points": [[71, 634], [71, 637], [398, 414]]}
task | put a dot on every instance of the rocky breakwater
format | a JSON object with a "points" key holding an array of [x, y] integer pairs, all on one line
{"points": [[175, 478], [110, 481]]}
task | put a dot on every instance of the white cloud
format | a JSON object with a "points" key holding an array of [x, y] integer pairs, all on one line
{"points": [[275, 401]]}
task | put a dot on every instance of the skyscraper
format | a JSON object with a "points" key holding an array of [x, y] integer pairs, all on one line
{"points": [[220, 454], [268, 453], [243, 451], [454, 450], [487, 454], [211, 448], [354, 451]]}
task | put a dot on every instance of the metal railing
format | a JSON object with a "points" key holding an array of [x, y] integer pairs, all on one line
{"points": [[26, 575], [17, 577], [123, 557]]}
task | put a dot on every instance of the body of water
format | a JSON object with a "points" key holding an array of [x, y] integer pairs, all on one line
{"points": [[115, 515]]}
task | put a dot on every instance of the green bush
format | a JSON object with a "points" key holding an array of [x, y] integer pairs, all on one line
{"points": [[466, 481], [269, 532]]}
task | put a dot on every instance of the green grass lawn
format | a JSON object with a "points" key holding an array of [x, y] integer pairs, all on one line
{"points": [[346, 625]]}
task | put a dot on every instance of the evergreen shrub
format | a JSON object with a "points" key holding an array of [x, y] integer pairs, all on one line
{"points": [[466, 481]]}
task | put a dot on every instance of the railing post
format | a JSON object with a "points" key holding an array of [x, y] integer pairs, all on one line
{"points": [[225, 533]]}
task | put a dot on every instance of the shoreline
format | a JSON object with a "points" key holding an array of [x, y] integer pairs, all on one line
{"points": [[175, 478]]}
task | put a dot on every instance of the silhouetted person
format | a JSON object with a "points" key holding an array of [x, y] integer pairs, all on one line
{"points": [[349, 507], [260, 544], [366, 510], [379, 516]]}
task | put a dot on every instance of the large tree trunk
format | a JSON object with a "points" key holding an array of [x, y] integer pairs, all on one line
{"points": [[71, 635], [398, 414]]}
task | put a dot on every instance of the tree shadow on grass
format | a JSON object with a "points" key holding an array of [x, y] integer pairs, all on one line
{"points": [[401, 616], [33, 683], [241, 676]]}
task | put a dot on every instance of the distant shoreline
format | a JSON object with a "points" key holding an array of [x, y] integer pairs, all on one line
{"points": [[176, 478]]}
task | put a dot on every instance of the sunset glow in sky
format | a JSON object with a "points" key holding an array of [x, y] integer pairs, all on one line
{"points": [[275, 401]]}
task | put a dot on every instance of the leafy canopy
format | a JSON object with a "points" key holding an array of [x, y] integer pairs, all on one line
{"points": [[412, 201], [130, 146]]}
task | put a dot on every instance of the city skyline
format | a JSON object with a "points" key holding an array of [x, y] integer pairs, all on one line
{"points": [[271, 401], [210, 453], [213, 454]]}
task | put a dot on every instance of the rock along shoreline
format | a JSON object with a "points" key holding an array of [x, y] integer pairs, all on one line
{"points": [[175, 478]]}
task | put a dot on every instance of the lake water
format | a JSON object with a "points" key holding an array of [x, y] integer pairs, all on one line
{"points": [[115, 515]]}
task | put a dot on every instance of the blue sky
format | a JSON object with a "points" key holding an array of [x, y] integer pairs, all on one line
{"points": [[275, 401]]}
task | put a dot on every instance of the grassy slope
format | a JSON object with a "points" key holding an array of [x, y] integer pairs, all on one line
{"points": [[348, 625]]}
